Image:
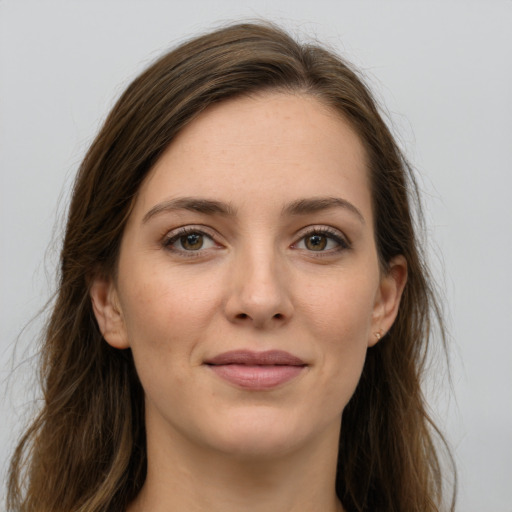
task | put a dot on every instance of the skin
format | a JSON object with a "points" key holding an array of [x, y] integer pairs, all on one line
{"points": [[265, 278]]}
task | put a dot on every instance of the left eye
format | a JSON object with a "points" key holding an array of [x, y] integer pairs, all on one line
{"points": [[319, 242]]}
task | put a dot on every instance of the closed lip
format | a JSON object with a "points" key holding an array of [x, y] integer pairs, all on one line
{"points": [[256, 371], [251, 358]]}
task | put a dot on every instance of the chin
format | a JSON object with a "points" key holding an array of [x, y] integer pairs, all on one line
{"points": [[262, 433]]}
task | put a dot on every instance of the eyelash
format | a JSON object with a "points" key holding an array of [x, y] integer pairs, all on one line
{"points": [[332, 234]]}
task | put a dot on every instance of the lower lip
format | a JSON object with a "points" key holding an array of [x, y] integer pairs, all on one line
{"points": [[257, 377]]}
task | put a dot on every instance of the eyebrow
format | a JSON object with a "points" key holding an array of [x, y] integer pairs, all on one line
{"points": [[213, 207], [193, 204], [317, 204]]}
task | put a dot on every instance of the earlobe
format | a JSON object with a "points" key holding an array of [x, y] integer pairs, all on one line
{"points": [[390, 291], [105, 304]]}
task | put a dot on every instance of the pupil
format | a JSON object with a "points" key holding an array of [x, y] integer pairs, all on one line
{"points": [[192, 241], [316, 242]]}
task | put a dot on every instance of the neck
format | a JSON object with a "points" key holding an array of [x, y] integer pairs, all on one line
{"points": [[182, 476]]}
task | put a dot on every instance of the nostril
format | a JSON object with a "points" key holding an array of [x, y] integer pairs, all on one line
{"points": [[278, 316], [242, 316]]}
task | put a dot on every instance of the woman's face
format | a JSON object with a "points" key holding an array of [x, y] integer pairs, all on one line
{"points": [[248, 285]]}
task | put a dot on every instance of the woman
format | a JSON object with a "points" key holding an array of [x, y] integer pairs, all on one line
{"points": [[243, 312]]}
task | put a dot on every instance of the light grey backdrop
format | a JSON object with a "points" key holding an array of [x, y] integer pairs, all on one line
{"points": [[444, 71]]}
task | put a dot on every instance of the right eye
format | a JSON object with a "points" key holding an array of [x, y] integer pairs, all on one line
{"points": [[188, 240]]}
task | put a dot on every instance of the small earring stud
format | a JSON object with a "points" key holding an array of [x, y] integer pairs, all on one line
{"points": [[378, 334]]}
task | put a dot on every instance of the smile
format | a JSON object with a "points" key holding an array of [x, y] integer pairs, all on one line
{"points": [[256, 370]]}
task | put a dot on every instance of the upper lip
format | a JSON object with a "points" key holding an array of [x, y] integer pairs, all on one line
{"points": [[249, 357]]}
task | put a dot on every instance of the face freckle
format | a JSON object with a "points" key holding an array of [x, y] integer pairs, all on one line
{"points": [[253, 177]]}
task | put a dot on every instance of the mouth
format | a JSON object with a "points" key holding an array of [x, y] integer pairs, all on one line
{"points": [[256, 370]]}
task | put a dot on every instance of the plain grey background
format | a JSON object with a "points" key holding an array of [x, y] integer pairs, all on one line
{"points": [[443, 70]]}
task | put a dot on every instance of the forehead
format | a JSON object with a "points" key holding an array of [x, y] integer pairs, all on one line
{"points": [[269, 147]]}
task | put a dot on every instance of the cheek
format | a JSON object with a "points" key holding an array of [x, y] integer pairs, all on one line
{"points": [[158, 327], [340, 320], [164, 298], [166, 315], [341, 308]]}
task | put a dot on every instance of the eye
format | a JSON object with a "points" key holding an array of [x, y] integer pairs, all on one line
{"points": [[188, 240], [322, 240]]}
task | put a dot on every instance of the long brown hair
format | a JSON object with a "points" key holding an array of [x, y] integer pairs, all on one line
{"points": [[85, 451]]}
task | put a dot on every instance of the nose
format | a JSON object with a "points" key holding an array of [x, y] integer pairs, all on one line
{"points": [[259, 292]]}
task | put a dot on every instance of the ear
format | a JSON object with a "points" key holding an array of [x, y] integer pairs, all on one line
{"points": [[107, 310], [388, 297]]}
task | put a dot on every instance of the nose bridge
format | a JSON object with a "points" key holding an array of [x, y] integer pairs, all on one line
{"points": [[259, 288]]}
